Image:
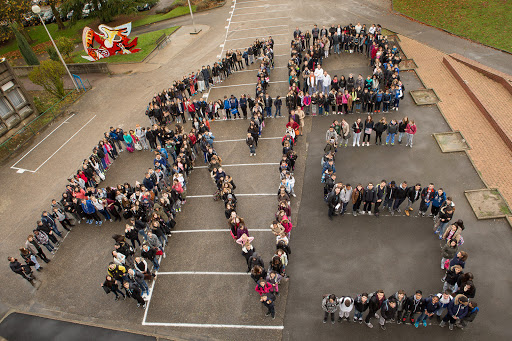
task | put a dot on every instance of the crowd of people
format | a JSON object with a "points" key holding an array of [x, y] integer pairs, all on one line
{"points": [[340, 132], [177, 103], [322, 93]]}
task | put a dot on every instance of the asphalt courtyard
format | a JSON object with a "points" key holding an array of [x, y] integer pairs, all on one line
{"points": [[347, 256]]}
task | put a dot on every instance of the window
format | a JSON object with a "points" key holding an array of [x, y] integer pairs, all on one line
{"points": [[15, 97], [5, 108]]}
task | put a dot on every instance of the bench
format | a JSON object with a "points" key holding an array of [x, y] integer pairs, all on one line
{"points": [[162, 40]]}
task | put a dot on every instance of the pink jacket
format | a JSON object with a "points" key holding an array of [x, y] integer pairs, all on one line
{"points": [[263, 290], [410, 129]]}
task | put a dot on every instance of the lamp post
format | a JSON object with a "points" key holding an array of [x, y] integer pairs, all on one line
{"points": [[37, 10], [192, 16]]}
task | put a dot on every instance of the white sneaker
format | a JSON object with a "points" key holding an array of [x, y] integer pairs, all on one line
{"points": [[370, 213]]}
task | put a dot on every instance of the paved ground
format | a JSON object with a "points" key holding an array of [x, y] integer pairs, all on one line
{"points": [[70, 285], [19, 326]]}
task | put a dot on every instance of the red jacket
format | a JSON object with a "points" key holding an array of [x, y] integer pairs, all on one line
{"points": [[410, 129], [263, 290]]}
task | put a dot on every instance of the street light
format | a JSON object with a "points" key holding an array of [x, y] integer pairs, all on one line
{"points": [[192, 15], [37, 10]]}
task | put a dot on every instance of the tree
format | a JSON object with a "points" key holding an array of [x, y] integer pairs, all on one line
{"points": [[25, 48], [13, 11], [49, 76], [65, 45], [105, 10], [53, 5]]}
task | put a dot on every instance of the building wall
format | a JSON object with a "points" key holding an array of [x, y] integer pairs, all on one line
{"points": [[15, 105]]}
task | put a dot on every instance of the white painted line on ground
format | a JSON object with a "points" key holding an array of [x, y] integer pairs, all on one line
{"points": [[281, 55], [264, 6], [259, 37], [79, 130], [238, 195], [23, 170], [261, 138], [258, 28], [205, 273], [259, 13], [245, 164], [148, 301], [218, 230], [241, 22], [228, 86], [199, 325], [41, 142]]}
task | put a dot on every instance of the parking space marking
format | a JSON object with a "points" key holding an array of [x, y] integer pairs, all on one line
{"points": [[238, 195], [246, 164], [259, 13], [209, 325], [218, 230], [21, 170], [62, 146], [258, 28], [47, 136], [258, 37], [241, 22], [264, 6]]}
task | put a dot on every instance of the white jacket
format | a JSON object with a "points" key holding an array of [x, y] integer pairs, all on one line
{"points": [[327, 80], [343, 307], [319, 74]]}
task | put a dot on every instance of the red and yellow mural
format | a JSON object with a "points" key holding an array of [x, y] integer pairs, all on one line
{"points": [[111, 41]]}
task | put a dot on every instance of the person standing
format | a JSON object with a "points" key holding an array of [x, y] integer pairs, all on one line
{"points": [[427, 195], [369, 198], [334, 201], [346, 306], [380, 193], [22, 270], [448, 251], [413, 194], [268, 301], [470, 316], [399, 196], [387, 312], [374, 305], [357, 199], [32, 245], [401, 303], [457, 310], [357, 127], [430, 307], [132, 290], [360, 306], [329, 305], [392, 130], [410, 131], [110, 285], [251, 143], [415, 304]]}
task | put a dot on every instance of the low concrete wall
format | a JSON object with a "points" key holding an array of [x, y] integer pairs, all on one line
{"points": [[23, 71]]}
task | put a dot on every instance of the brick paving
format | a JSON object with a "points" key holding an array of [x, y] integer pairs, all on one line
{"points": [[496, 99], [490, 155]]}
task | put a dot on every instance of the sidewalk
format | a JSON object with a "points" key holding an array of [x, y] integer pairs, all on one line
{"points": [[487, 148]]}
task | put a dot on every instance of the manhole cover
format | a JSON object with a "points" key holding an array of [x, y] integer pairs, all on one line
{"points": [[424, 96], [451, 142]]}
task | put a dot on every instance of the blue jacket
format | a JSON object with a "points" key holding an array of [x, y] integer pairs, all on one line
{"points": [[234, 103], [226, 104], [209, 139], [326, 167], [456, 309], [438, 199], [431, 307], [88, 207], [243, 102]]}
